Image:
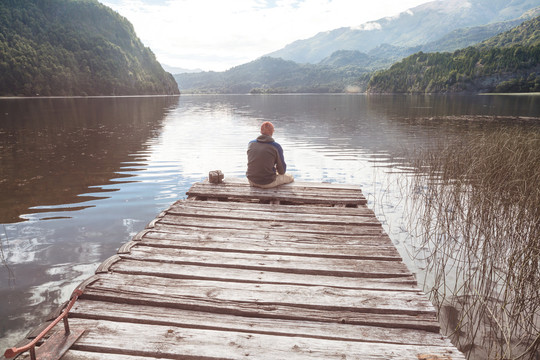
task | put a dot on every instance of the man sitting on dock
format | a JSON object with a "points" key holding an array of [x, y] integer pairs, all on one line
{"points": [[266, 164]]}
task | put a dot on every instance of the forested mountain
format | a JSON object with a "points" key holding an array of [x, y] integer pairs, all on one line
{"points": [[508, 62], [271, 75], [342, 58], [415, 27], [74, 47]]}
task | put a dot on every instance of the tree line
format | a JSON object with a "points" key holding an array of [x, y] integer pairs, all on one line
{"points": [[509, 62]]}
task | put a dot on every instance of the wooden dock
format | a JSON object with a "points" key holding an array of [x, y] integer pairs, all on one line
{"points": [[303, 271]]}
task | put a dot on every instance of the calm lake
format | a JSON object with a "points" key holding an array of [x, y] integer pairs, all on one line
{"points": [[81, 176]]}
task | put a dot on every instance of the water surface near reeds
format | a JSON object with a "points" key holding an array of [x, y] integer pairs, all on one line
{"points": [[474, 212]]}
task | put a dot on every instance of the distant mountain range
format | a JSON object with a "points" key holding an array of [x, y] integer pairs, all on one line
{"points": [[345, 59], [429, 23], [178, 70], [271, 75]]}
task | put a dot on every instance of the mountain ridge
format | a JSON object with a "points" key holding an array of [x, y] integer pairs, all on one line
{"points": [[74, 47], [414, 27]]}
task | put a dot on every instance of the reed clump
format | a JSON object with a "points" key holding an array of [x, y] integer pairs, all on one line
{"points": [[475, 215]]}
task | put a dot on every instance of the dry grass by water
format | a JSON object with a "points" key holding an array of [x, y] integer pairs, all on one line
{"points": [[475, 210]]}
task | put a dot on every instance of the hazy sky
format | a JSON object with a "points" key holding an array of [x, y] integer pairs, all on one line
{"points": [[219, 34]]}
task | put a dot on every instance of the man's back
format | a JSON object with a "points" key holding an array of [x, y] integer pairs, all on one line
{"points": [[266, 163], [265, 157]]}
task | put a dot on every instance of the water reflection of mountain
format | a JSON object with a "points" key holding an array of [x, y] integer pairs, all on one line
{"points": [[54, 149]]}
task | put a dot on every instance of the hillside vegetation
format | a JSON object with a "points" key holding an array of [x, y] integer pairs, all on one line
{"points": [[270, 75], [508, 62], [74, 47]]}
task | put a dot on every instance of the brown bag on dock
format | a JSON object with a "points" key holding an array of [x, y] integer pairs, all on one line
{"points": [[215, 177]]}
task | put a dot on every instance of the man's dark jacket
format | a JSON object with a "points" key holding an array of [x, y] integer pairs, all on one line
{"points": [[265, 157]]}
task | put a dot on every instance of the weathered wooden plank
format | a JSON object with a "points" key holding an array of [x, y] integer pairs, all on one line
{"points": [[273, 208], [369, 229], [270, 262], [172, 342], [269, 246], [314, 198], [58, 344], [387, 253], [313, 297], [265, 236], [283, 193], [202, 272], [264, 214], [269, 235], [86, 355], [427, 322], [307, 218], [153, 315]]}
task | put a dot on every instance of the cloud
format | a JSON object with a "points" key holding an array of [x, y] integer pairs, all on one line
{"points": [[368, 26], [217, 35]]}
